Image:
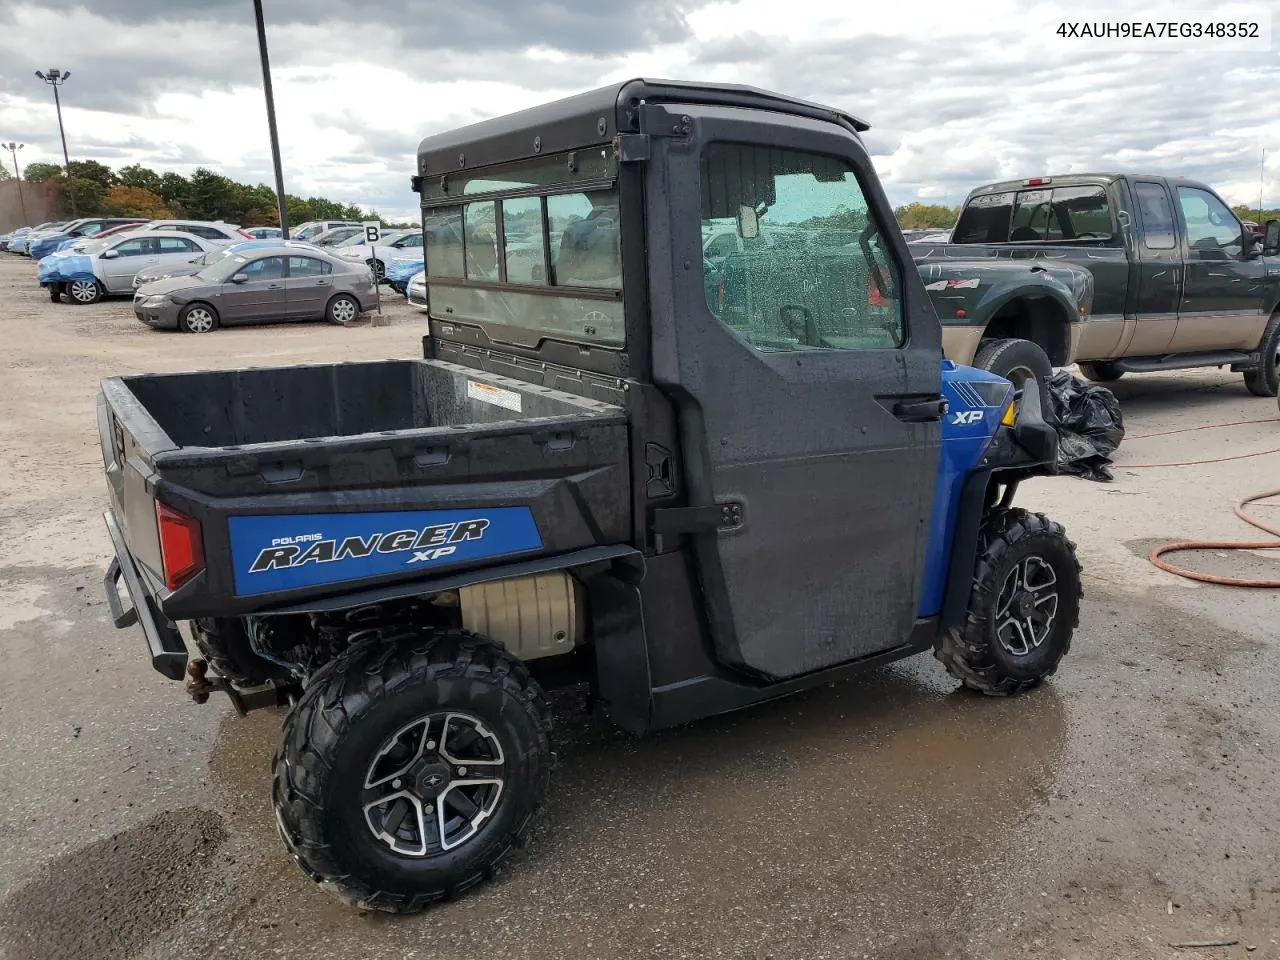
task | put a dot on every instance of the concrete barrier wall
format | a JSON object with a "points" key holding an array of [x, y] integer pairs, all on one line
{"points": [[40, 200]]}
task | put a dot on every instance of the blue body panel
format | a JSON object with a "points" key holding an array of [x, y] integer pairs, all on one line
{"points": [[971, 421], [47, 245], [401, 270], [63, 267], [271, 553]]}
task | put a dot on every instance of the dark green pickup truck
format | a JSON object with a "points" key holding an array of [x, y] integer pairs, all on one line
{"points": [[1177, 281]]}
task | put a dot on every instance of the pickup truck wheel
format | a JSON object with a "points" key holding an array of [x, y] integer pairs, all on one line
{"points": [[411, 767], [1100, 372], [1024, 606], [1264, 379], [1017, 361]]}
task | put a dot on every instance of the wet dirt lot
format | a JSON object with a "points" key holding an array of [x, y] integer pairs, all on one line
{"points": [[1128, 804]]}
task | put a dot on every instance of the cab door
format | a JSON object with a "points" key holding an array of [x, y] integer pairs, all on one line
{"points": [[805, 368]]}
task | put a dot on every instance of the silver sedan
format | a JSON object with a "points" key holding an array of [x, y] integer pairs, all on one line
{"points": [[266, 285]]}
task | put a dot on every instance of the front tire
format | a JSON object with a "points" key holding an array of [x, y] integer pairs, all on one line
{"points": [[84, 292], [1264, 380], [411, 767], [342, 309], [198, 318], [55, 292], [1024, 606], [1100, 372]]}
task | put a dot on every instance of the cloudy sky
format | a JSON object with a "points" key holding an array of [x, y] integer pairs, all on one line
{"points": [[958, 93]]}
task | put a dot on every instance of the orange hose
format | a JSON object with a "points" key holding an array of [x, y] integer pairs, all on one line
{"points": [[1207, 426], [1158, 552]]}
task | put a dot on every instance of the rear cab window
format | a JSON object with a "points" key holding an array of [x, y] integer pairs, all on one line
{"points": [[1043, 214], [529, 250]]}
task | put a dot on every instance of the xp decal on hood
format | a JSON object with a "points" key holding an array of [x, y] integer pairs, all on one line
{"points": [[272, 553]]}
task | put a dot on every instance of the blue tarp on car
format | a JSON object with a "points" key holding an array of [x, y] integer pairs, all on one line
{"points": [[64, 268], [47, 245], [401, 270]]}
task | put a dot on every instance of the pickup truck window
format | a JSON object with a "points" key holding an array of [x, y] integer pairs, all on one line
{"points": [[811, 271], [1158, 229], [1047, 215], [1212, 230]]}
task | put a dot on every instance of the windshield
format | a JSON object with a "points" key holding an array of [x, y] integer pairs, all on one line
{"points": [[224, 269], [93, 246], [306, 233]]}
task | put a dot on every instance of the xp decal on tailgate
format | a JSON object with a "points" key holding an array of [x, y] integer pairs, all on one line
{"points": [[285, 552]]}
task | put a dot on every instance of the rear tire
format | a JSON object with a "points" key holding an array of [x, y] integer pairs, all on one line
{"points": [[1100, 371], [1018, 361], [1264, 380], [1024, 606], [84, 292], [198, 318], [342, 309], [380, 714]]}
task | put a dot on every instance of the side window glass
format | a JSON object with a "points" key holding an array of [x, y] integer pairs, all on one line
{"points": [[307, 267], [442, 229], [481, 226], [526, 248], [812, 271], [268, 268], [1213, 232], [1158, 230], [1081, 213], [585, 240]]}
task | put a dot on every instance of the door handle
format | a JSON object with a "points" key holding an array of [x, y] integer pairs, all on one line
{"points": [[322, 283], [274, 286], [918, 409]]}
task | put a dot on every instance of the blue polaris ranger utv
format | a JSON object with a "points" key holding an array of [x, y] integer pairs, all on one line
{"points": [[682, 429]]}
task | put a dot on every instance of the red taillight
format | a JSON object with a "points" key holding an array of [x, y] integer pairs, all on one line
{"points": [[1037, 181], [181, 546]]}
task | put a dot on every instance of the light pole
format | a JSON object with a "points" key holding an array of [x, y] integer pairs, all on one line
{"points": [[13, 149], [271, 120], [56, 78]]}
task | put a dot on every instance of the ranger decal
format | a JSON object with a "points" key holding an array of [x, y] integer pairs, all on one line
{"points": [[284, 552]]}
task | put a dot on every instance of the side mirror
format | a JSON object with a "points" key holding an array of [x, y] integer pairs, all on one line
{"points": [[748, 223], [1249, 244], [1271, 238], [240, 278], [110, 254]]}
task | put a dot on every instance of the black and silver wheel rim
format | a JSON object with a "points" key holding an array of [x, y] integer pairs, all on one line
{"points": [[343, 311], [1027, 606], [83, 291], [434, 784], [199, 320], [379, 271]]}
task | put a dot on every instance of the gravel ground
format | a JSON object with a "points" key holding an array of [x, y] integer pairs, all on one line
{"points": [[1126, 805]]}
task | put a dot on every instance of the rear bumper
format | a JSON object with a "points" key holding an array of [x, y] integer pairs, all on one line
{"points": [[164, 643]]}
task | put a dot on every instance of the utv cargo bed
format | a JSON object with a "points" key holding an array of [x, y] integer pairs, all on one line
{"points": [[306, 480]]}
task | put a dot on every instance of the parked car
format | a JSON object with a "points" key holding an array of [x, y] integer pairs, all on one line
{"points": [[331, 238], [416, 290], [269, 284], [196, 264], [214, 230], [264, 233], [400, 270], [313, 228], [17, 234], [77, 229], [76, 244], [391, 245], [1176, 280], [19, 244], [109, 269]]}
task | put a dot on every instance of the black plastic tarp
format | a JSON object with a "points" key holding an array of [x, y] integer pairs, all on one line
{"points": [[1090, 426]]}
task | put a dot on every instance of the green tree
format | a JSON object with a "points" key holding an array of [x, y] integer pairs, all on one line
{"points": [[95, 172], [126, 201], [1245, 212], [136, 175], [39, 171], [4, 173], [174, 188], [917, 216]]}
